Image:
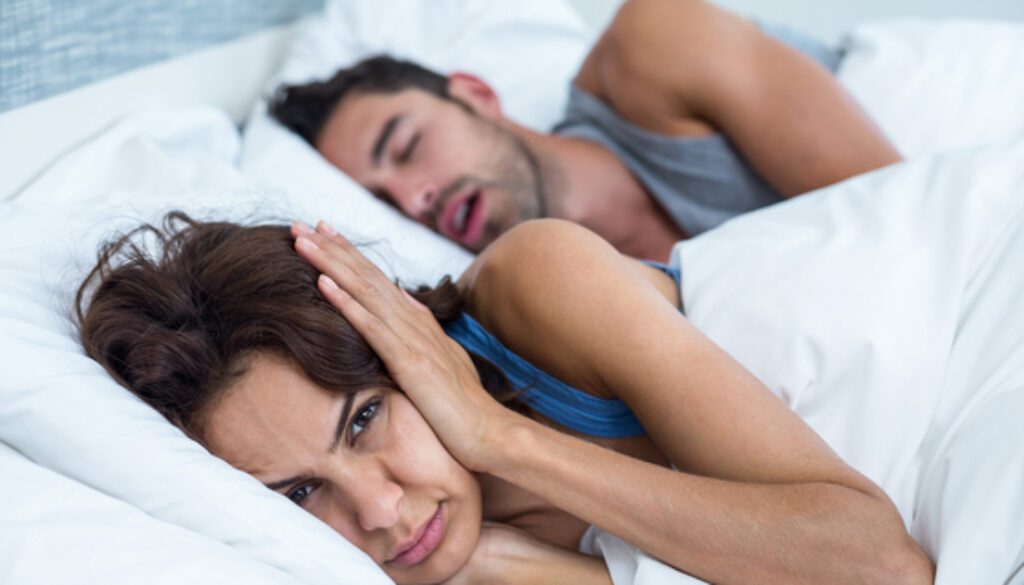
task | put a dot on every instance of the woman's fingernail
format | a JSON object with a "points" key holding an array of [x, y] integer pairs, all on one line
{"points": [[304, 242], [326, 228], [327, 280], [302, 228]]}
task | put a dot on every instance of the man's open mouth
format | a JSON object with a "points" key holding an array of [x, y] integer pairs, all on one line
{"points": [[464, 218]]}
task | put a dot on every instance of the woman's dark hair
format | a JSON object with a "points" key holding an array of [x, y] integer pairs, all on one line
{"points": [[175, 313], [304, 108]]}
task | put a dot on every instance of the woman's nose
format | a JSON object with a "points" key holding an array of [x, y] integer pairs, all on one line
{"points": [[377, 503]]}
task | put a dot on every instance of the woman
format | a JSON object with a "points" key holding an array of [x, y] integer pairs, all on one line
{"points": [[355, 403]]}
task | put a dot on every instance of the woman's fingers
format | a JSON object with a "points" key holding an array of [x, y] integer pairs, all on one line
{"points": [[432, 369], [368, 269], [362, 281], [377, 333], [336, 248], [375, 305], [353, 272]]}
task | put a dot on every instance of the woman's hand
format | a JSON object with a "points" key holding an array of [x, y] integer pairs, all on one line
{"points": [[506, 555], [433, 370]]}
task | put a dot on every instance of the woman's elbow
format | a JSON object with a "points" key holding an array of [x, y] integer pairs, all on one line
{"points": [[904, 564]]}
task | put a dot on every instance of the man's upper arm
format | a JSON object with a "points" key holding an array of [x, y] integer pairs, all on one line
{"points": [[672, 66]]}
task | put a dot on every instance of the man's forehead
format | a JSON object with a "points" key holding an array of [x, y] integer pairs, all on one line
{"points": [[376, 107], [349, 133]]}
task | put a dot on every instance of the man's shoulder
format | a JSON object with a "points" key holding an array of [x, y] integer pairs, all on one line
{"points": [[629, 68], [622, 39]]}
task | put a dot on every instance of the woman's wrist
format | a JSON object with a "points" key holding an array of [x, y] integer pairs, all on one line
{"points": [[514, 557], [502, 441]]}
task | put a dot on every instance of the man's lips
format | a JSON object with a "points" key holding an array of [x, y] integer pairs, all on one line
{"points": [[427, 537], [463, 217]]}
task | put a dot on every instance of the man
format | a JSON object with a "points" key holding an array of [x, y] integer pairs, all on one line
{"points": [[682, 116]]}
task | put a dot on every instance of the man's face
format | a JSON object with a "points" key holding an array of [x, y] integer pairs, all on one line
{"points": [[458, 172]]}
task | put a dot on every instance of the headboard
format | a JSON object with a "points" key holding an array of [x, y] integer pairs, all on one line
{"points": [[48, 48], [68, 68]]}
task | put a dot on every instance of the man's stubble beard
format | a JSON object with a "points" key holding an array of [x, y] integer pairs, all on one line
{"points": [[531, 182]]}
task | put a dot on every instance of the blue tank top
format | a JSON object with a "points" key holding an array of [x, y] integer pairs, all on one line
{"points": [[699, 181], [572, 408]]}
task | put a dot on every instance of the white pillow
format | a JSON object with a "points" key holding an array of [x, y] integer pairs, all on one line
{"points": [[56, 530], [60, 408], [936, 85], [527, 50]]}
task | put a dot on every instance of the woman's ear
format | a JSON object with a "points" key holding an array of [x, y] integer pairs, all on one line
{"points": [[475, 93]]}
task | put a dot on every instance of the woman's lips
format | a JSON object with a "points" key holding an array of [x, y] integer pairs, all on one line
{"points": [[427, 539]]}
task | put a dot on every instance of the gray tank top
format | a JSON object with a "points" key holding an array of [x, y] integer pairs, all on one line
{"points": [[700, 182]]}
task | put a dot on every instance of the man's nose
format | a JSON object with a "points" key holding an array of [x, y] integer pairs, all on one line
{"points": [[419, 199]]}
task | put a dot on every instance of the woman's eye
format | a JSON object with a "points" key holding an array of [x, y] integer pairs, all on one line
{"points": [[300, 493], [363, 418]]}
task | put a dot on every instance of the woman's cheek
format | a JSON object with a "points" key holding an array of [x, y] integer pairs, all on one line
{"points": [[335, 514], [415, 444]]}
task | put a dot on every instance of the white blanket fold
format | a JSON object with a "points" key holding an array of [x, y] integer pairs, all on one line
{"points": [[887, 311]]}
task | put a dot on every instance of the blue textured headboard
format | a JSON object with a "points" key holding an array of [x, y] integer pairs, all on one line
{"points": [[49, 47]]}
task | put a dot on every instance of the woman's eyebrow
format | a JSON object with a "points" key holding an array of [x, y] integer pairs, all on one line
{"points": [[340, 429], [385, 135], [277, 485]]}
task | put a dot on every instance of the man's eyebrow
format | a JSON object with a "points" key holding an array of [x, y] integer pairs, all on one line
{"points": [[385, 135], [342, 423]]}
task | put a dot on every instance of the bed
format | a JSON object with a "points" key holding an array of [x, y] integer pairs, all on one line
{"points": [[100, 489]]}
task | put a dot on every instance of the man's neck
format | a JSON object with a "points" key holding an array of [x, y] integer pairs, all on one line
{"points": [[588, 184]]}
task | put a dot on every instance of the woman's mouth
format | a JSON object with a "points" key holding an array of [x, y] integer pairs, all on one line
{"points": [[428, 537]]}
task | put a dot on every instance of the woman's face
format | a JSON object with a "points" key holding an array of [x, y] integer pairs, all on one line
{"points": [[366, 464]]}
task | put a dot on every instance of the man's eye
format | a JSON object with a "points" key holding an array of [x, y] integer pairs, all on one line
{"points": [[409, 149], [300, 493], [362, 418]]}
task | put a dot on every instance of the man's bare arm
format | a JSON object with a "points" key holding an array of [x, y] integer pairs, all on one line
{"points": [[686, 67]]}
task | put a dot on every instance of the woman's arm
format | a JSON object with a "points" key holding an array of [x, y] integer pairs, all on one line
{"points": [[688, 67], [759, 499], [763, 498], [509, 556]]}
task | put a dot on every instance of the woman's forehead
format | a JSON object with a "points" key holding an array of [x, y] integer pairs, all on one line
{"points": [[273, 412]]}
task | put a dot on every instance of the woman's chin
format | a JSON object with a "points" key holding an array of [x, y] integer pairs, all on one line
{"points": [[450, 557]]}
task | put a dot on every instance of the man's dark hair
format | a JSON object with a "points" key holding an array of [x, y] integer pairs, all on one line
{"points": [[304, 109]]}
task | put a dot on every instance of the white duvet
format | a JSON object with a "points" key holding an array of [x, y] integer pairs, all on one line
{"points": [[880, 313], [887, 312]]}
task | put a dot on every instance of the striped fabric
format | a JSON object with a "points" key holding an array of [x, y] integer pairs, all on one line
{"points": [[51, 46]]}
